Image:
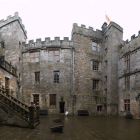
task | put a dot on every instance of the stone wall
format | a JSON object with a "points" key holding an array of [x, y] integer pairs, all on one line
{"points": [[46, 68], [132, 48], [86, 97], [13, 86]]}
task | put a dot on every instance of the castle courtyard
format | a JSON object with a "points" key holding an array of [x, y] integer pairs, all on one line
{"points": [[77, 128]]}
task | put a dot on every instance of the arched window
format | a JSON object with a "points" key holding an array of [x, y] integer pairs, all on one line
{"points": [[56, 77]]}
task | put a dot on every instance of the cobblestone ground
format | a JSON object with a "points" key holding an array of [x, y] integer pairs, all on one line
{"points": [[77, 128]]}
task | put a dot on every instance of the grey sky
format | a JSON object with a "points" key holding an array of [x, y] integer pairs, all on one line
{"points": [[52, 18]]}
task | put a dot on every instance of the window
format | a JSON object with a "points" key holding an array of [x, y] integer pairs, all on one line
{"points": [[56, 77], [95, 66], [105, 63], [99, 108], [127, 105], [106, 38], [127, 61], [36, 99], [105, 78], [54, 55], [19, 44], [34, 57], [94, 46], [127, 82], [2, 45], [6, 82], [105, 92], [52, 100], [106, 51], [96, 84], [37, 77]]}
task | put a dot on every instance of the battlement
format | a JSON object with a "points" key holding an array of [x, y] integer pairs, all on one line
{"points": [[86, 31], [114, 25], [56, 43], [12, 19], [133, 37], [130, 46]]}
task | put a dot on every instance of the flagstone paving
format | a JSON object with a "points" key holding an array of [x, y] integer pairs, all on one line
{"points": [[77, 128]]}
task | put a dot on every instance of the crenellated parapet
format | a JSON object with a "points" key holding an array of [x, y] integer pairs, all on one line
{"points": [[89, 32], [11, 19], [56, 43], [130, 46]]}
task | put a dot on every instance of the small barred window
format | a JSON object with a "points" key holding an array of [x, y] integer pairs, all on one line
{"points": [[127, 105], [56, 77], [36, 99], [52, 100], [96, 84], [127, 82], [37, 77], [127, 61], [95, 66]]}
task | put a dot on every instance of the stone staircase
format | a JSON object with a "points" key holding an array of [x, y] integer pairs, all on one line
{"points": [[14, 112]]}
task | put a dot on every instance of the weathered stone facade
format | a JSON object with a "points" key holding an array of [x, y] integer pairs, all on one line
{"points": [[86, 78], [130, 48], [46, 87]]}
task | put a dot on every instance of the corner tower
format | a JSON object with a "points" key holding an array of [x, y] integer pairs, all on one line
{"points": [[112, 38], [12, 34], [88, 69]]}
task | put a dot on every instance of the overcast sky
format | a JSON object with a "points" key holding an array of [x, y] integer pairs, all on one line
{"points": [[54, 18]]}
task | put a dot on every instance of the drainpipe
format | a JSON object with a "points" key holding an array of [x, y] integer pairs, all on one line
{"points": [[73, 80], [118, 101]]}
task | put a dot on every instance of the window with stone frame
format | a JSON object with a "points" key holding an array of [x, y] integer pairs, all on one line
{"points": [[95, 65], [99, 108], [127, 61], [95, 85], [37, 77], [54, 55], [127, 104], [95, 46], [52, 100], [127, 82], [36, 98], [34, 57], [56, 77]]}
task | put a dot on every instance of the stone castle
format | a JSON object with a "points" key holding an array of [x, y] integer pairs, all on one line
{"points": [[95, 70]]}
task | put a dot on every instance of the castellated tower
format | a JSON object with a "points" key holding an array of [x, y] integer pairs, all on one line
{"points": [[88, 67], [12, 34], [112, 38]]}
